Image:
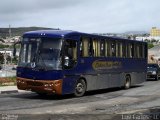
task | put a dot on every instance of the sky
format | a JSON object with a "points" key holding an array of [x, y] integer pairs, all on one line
{"points": [[91, 16]]}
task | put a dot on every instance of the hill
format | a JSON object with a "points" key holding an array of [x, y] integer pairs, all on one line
{"points": [[4, 32], [136, 32]]}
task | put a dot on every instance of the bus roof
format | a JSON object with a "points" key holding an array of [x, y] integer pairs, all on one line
{"points": [[57, 33], [64, 33]]}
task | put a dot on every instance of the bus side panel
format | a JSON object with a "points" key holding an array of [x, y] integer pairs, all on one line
{"points": [[92, 81], [115, 80], [69, 83], [110, 80], [102, 81], [137, 78]]}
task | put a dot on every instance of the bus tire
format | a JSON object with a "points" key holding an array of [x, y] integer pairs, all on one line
{"points": [[127, 84], [156, 78], [80, 88]]}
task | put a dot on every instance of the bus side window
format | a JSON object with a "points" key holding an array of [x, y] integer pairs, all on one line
{"points": [[96, 48], [129, 50], [119, 49], [145, 51], [85, 47], [90, 48], [123, 50], [138, 50], [108, 51], [132, 51], [141, 51], [135, 51], [102, 48], [70, 54], [113, 48]]}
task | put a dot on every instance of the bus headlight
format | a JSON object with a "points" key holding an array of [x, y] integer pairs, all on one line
{"points": [[46, 85], [154, 72]]}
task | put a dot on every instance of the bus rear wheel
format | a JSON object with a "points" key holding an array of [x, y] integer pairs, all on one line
{"points": [[127, 84], [80, 88]]}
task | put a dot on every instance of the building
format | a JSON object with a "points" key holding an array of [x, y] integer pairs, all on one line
{"points": [[155, 32], [154, 55], [149, 38], [9, 52], [154, 35]]}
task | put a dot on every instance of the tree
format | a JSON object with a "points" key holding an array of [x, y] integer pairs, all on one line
{"points": [[1, 58], [15, 60], [8, 58], [150, 45], [153, 40]]}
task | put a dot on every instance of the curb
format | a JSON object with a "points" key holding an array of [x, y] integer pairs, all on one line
{"points": [[8, 91]]}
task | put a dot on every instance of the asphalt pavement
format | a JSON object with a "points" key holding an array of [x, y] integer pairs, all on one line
{"points": [[9, 89], [141, 102]]}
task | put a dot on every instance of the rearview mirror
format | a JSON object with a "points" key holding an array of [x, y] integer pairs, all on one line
{"points": [[14, 51], [14, 48]]}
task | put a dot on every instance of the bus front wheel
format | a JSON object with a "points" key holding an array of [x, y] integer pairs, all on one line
{"points": [[127, 84], [80, 88]]}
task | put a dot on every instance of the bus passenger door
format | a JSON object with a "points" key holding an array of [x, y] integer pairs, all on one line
{"points": [[70, 54], [69, 65]]}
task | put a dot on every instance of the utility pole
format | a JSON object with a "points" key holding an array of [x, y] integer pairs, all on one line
{"points": [[10, 32], [10, 36], [5, 61]]}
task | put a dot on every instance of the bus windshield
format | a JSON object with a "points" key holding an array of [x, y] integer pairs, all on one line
{"points": [[41, 53]]}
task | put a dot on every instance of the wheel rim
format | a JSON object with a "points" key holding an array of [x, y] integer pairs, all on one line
{"points": [[127, 85], [80, 88]]}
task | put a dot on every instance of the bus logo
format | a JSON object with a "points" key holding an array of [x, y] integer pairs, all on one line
{"points": [[103, 65]]}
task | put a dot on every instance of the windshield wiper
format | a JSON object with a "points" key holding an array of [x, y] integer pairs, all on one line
{"points": [[43, 67], [33, 60]]}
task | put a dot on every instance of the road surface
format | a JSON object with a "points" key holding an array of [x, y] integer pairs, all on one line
{"points": [[144, 98]]}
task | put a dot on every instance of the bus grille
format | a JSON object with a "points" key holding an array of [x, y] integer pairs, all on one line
{"points": [[149, 73], [34, 83]]}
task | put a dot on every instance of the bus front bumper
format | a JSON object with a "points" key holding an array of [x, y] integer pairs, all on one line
{"points": [[40, 86]]}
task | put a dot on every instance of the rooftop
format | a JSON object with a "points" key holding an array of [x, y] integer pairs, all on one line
{"points": [[59, 33]]}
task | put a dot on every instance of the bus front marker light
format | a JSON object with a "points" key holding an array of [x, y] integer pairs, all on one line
{"points": [[46, 85], [57, 83], [22, 82]]}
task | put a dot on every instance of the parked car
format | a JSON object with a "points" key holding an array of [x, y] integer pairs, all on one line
{"points": [[153, 71]]}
